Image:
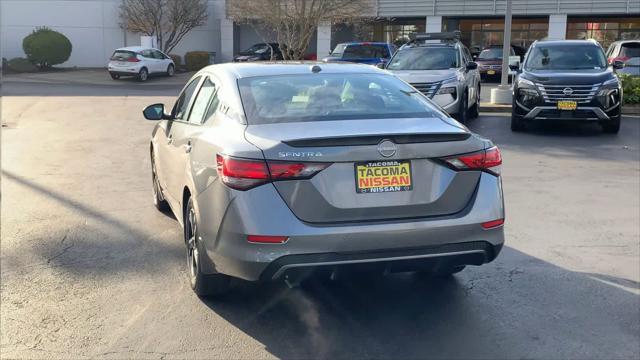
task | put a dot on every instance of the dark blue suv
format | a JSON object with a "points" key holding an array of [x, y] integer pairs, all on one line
{"points": [[362, 52]]}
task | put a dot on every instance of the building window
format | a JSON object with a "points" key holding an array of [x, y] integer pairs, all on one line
{"points": [[480, 33], [396, 31], [603, 30]]}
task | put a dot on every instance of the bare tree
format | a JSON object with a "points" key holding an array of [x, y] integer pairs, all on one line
{"points": [[294, 21], [168, 20]]}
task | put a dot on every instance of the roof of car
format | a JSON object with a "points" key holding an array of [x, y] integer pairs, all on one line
{"points": [[134, 48], [365, 43], [269, 68], [566, 42]]}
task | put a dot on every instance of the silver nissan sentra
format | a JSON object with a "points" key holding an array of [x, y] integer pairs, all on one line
{"points": [[277, 170]]}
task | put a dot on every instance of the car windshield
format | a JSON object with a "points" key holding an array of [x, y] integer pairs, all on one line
{"points": [[425, 58], [257, 49], [323, 97], [364, 51], [122, 55], [492, 53], [338, 50], [566, 57]]}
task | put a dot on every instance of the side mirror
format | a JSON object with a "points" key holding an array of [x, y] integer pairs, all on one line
{"points": [[155, 112], [472, 65], [617, 64], [381, 65]]}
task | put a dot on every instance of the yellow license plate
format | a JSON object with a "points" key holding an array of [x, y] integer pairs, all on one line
{"points": [[491, 72], [383, 176], [567, 105]]}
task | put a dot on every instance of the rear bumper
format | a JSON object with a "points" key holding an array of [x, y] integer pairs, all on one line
{"points": [[410, 241]]}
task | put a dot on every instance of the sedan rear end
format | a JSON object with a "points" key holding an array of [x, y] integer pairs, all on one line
{"points": [[350, 169]]}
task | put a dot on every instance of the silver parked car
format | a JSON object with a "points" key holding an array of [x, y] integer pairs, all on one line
{"points": [[275, 169], [441, 67]]}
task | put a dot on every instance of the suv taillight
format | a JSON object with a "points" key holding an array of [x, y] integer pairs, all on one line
{"points": [[244, 174], [488, 160]]}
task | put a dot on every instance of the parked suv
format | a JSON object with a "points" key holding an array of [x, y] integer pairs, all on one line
{"points": [[628, 52], [139, 62], [440, 66], [490, 60], [371, 53], [567, 80]]}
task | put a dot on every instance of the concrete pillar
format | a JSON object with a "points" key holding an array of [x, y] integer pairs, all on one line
{"points": [[226, 41], [557, 27], [434, 24], [323, 45]]}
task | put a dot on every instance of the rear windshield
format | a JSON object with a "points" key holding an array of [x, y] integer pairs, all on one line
{"points": [[566, 57], [492, 53], [123, 55], [325, 97], [630, 50], [365, 52], [339, 50], [425, 58]]}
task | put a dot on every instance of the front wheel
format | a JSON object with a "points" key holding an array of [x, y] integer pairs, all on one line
{"points": [[204, 285], [171, 70], [462, 116], [612, 126], [517, 124], [158, 198], [143, 75], [474, 112], [114, 76]]}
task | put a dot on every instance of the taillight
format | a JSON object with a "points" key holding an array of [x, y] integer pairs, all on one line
{"points": [[619, 58], [133, 59], [265, 239], [492, 224], [486, 160], [244, 174]]}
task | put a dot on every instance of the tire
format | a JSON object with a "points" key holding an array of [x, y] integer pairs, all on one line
{"points": [[114, 76], [517, 124], [158, 198], [612, 126], [171, 70], [143, 75], [204, 285], [446, 272], [463, 114], [474, 112]]}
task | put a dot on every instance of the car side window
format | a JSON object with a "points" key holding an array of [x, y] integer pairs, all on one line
{"points": [[158, 55], [205, 104], [182, 104], [147, 54]]}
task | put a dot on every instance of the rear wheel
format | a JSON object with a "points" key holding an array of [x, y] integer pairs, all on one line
{"points": [[171, 70], [204, 285], [612, 126], [143, 75], [114, 76]]}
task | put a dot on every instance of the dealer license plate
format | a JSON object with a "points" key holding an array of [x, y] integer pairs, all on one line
{"points": [[567, 105], [491, 72], [383, 176]]}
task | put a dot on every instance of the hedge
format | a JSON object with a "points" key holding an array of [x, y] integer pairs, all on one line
{"points": [[21, 65], [630, 88], [45, 47], [177, 60], [196, 60]]}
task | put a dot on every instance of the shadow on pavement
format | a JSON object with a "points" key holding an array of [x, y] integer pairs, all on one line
{"points": [[517, 307]]}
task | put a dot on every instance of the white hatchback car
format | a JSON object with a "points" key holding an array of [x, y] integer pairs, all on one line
{"points": [[140, 62]]}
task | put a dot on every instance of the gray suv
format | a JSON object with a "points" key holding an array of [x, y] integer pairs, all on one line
{"points": [[441, 67]]}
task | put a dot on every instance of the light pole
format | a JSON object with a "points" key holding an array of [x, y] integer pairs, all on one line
{"points": [[502, 94]]}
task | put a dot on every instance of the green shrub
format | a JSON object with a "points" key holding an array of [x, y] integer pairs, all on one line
{"points": [[21, 65], [630, 88], [45, 47], [177, 60], [196, 60]]}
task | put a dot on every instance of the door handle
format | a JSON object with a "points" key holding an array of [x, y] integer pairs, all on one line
{"points": [[188, 147], [170, 140]]}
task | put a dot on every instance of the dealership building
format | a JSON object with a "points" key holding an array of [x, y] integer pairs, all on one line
{"points": [[94, 30]]}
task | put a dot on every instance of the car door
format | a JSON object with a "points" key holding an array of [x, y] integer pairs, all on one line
{"points": [[162, 61], [149, 61], [166, 169], [185, 133]]}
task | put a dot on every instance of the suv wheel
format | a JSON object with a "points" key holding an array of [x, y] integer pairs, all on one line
{"points": [[474, 112], [203, 285], [462, 116], [517, 124], [612, 126]]}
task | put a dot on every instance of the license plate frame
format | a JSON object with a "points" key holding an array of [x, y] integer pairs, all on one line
{"points": [[369, 185], [567, 105]]}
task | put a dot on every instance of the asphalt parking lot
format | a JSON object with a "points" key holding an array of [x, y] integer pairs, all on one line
{"points": [[89, 268]]}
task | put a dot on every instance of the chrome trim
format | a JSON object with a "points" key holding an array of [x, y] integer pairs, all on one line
{"points": [[581, 94], [428, 88], [364, 261], [601, 115]]}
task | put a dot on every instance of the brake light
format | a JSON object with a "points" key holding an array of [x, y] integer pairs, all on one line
{"points": [[493, 224], [488, 160], [133, 59], [264, 239], [244, 174], [619, 58]]}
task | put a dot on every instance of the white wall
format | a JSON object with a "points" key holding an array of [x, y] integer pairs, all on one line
{"points": [[92, 26]]}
